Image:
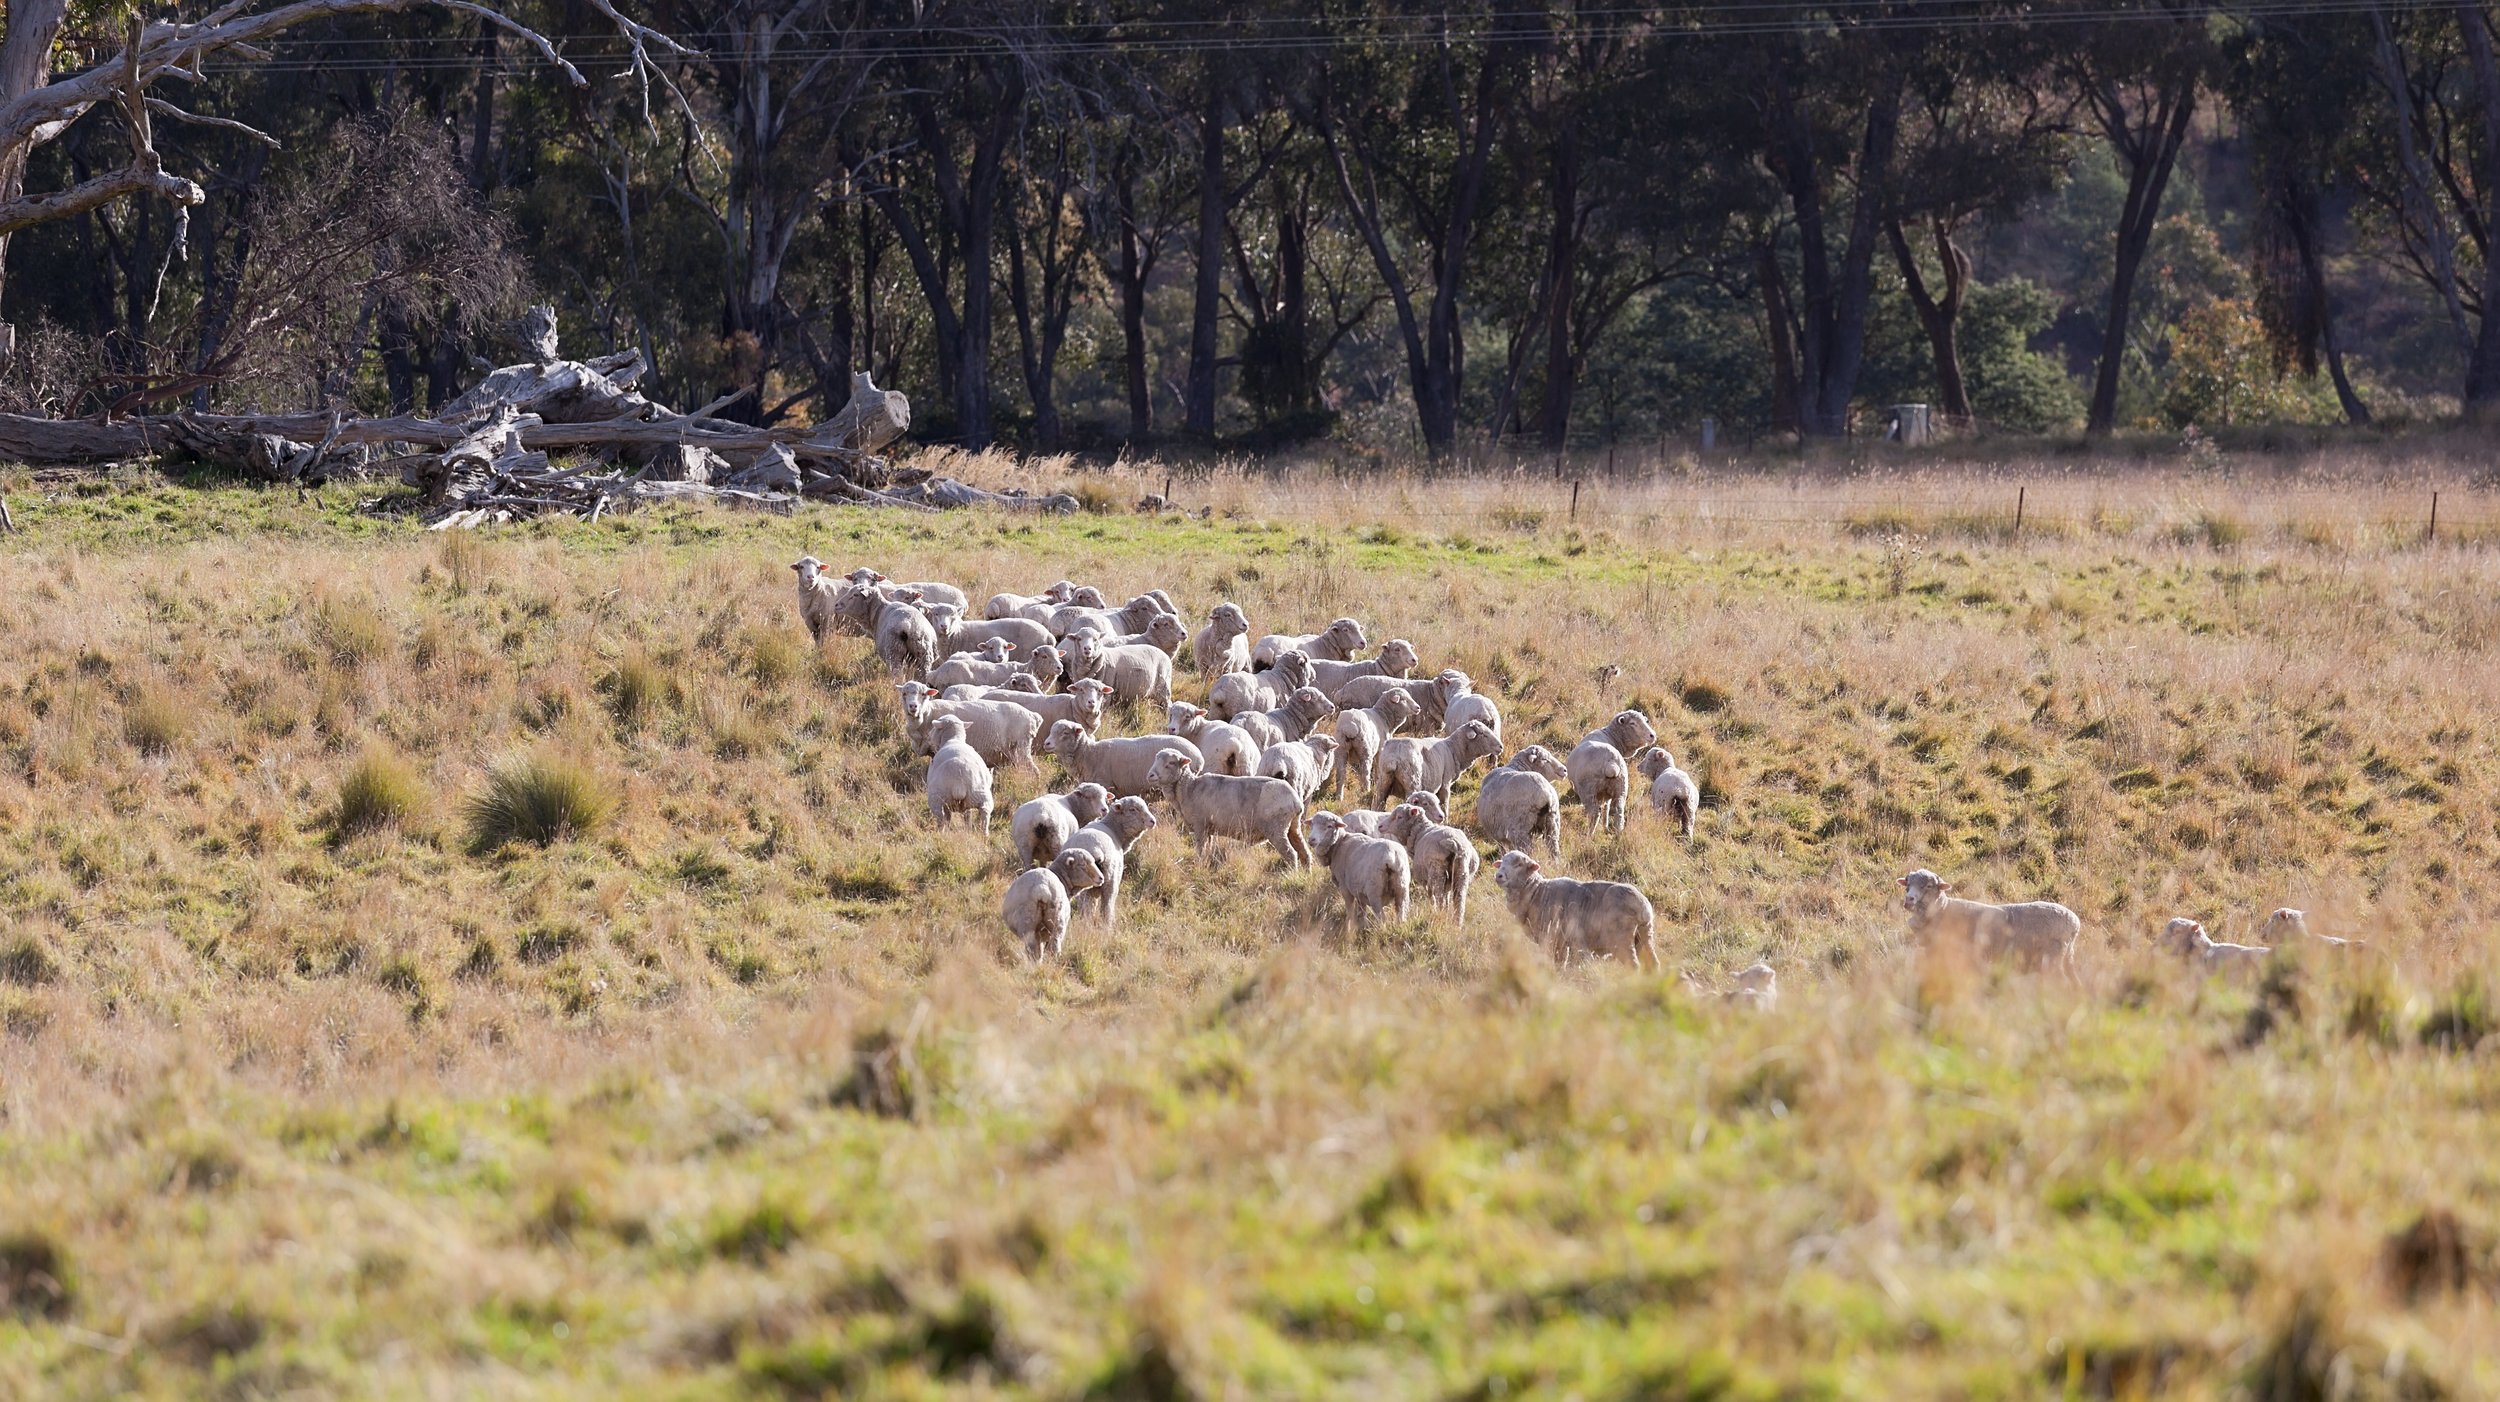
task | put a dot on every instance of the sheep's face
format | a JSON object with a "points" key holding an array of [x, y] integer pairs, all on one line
{"points": [[866, 576], [1400, 706], [1323, 829], [1517, 869], [1131, 817], [2283, 924], [1089, 801], [1397, 657], [1293, 665], [915, 695], [1182, 719], [1029, 685], [1059, 593], [1538, 760], [942, 617], [1402, 823], [1084, 650], [1229, 621], [809, 568], [1631, 731], [1087, 596], [1476, 741], [1309, 703], [996, 649], [1428, 805], [1065, 736], [1170, 769], [1166, 631], [2182, 935], [1046, 661], [1348, 637], [1090, 695], [1076, 869], [1921, 890]]}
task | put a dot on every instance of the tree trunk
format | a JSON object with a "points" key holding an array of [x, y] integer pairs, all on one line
{"points": [[1833, 310], [482, 169], [2148, 178], [1134, 267], [1939, 312], [1199, 419], [2482, 370], [1780, 324], [25, 61], [1561, 269]]}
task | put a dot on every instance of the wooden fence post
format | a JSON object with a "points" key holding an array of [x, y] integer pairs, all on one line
{"points": [[1575, 498], [2431, 536], [2021, 496]]}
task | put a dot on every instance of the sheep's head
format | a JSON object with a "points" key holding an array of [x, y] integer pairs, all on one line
{"points": [[945, 731], [1653, 762], [1921, 890], [1047, 662], [1228, 620], [1403, 822], [1347, 636], [809, 567], [1323, 829], [1631, 732], [1076, 869], [1166, 631], [1140, 611], [995, 649], [1087, 596], [1183, 719], [1758, 977], [1026, 683], [942, 617], [1065, 737], [2182, 934], [1517, 871], [915, 695], [865, 575], [1060, 593], [1169, 770], [1397, 657], [1129, 819], [1398, 707], [1090, 695], [1475, 741], [2283, 924], [1309, 703], [1293, 667], [1088, 802], [1428, 804], [1536, 759], [1164, 599], [1084, 652]]}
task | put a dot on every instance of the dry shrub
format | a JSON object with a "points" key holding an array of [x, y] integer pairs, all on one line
{"points": [[542, 798], [153, 721], [379, 790]]}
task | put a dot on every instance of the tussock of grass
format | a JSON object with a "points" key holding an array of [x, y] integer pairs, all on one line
{"points": [[637, 690], [381, 789], [154, 720], [543, 798]]}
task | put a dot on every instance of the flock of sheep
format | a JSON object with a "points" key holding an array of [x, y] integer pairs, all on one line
{"points": [[1284, 717]]}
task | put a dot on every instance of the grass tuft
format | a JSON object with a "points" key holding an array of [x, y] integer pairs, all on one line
{"points": [[381, 789], [541, 799], [35, 1281], [153, 721]]}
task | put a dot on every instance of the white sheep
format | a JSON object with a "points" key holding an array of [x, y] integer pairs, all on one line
{"points": [[1001, 732], [1082, 702], [1471, 705], [1629, 732], [956, 634], [1118, 765], [906, 644], [1433, 696], [1252, 809], [1757, 987], [2031, 932], [1107, 840], [1362, 731], [1014, 605], [1517, 805], [1592, 919], [819, 599], [959, 779], [1227, 747], [1300, 714], [1111, 623], [1409, 766], [1369, 821], [986, 665], [930, 590], [1600, 772], [1083, 596], [1235, 693], [1372, 874], [1445, 863], [1163, 631], [2188, 939], [1338, 642], [1396, 659], [1223, 646], [1041, 826], [2286, 925], [1305, 763], [1672, 792], [1134, 671], [1037, 905]]}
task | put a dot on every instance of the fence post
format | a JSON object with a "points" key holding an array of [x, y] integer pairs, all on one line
{"points": [[7, 526], [1167, 486], [1575, 498], [1610, 462], [2431, 536], [2021, 496]]}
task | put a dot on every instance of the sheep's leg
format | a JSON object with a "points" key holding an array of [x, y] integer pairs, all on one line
{"points": [[1302, 854]]}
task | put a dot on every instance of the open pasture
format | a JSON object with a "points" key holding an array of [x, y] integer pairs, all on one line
{"points": [[318, 1077]]}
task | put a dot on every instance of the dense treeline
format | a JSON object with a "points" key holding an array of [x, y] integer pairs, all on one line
{"points": [[1081, 222]]}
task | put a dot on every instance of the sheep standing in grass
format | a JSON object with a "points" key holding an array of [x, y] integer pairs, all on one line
{"points": [[1600, 773], [1372, 874], [1227, 747], [956, 634], [1302, 763], [1014, 605], [1041, 826], [1082, 702], [1223, 646], [1517, 805], [1362, 731], [819, 599], [1037, 905], [986, 665], [906, 643], [929, 590], [1236, 693], [1300, 714], [1396, 659], [1252, 809], [2187, 939], [1000, 732], [1470, 705], [1591, 919], [959, 779], [1107, 840], [2032, 932], [1134, 671], [2287, 926], [1671, 791], [1444, 862], [1118, 765], [1111, 623], [1340, 641], [1432, 697], [1409, 766]]}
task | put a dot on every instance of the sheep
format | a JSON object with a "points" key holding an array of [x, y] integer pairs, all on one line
{"points": [[957, 635], [1000, 732], [1337, 642], [1234, 693], [1036, 908], [1430, 766], [1445, 863], [1135, 671], [1227, 747], [1372, 874], [906, 643], [1041, 826], [1127, 618], [1301, 763], [1368, 821], [986, 665], [1117, 765], [1300, 714], [2032, 932], [819, 599], [1433, 696], [1671, 790], [1471, 705], [2287, 925], [1361, 733], [1591, 918], [959, 779], [1396, 659], [1757, 987], [1040, 610], [1516, 806], [1014, 605], [1082, 702], [1222, 805], [1222, 646], [2187, 939], [1164, 631], [1629, 732], [1601, 779], [1019, 684], [1107, 840]]}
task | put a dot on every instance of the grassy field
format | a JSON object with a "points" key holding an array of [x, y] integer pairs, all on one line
{"points": [[312, 1086]]}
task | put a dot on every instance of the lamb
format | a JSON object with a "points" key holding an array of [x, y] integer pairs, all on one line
{"points": [[1117, 765], [1223, 646], [1396, 659], [1014, 605], [957, 635], [1041, 826], [2032, 932], [1595, 919], [1434, 696], [1445, 863], [930, 590], [1671, 790], [2286, 925], [1757, 987], [1036, 907], [906, 643], [959, 779], [1302, 763], [1082, 702], [1300, 714], [2188, 939], [1000, 732], [1517, 805], [1337, 642], [1471, 705], [1107, 840], [1234, 693], [819, 599], [1128, 618], [1221, 805], [1372, 874], [1227, 747], [1135, 671], [986, 665], [1410, 766], [1361, 733]]}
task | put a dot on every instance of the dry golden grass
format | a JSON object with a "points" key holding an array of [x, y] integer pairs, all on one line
{"points": [[743, 1091]]}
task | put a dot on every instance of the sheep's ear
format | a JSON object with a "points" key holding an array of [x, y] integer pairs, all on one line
{"points": [[1944, 885], [1902, 881]]}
